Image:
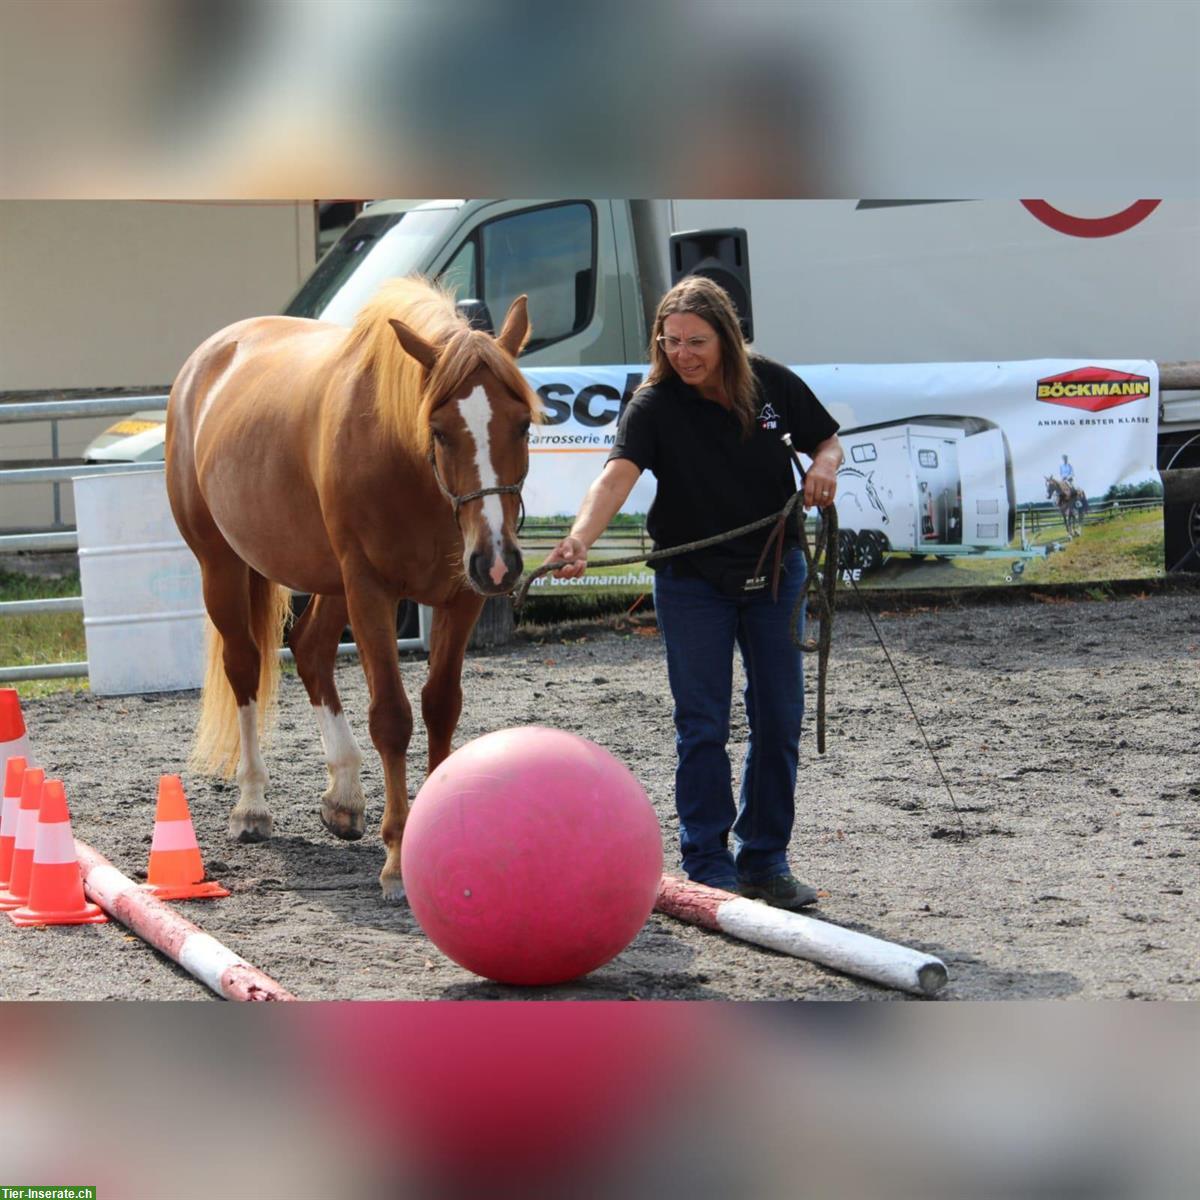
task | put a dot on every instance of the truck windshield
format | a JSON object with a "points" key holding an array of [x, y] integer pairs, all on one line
{"points": [[373, 249]]}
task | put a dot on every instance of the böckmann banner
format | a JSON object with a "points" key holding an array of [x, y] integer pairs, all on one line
{"points": [[956, 474]]}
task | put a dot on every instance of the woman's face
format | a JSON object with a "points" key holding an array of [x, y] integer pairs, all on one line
{"points": [[694, 350]]}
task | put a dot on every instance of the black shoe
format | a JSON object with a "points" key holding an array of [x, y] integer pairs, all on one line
{"points": [[781, 891]]}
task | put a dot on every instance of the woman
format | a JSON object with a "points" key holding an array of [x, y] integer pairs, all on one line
{"points": [[708, 421]]}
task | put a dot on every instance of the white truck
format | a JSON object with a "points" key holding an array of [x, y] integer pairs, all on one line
{"points": [[833, 281]]}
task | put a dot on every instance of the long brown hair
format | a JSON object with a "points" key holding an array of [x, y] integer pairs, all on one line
{"points": [[707, 300]]}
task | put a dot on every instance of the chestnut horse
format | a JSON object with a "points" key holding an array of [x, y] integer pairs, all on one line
{"points": [[361, 466]]}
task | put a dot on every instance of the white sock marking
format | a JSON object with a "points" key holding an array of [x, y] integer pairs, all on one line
{"points": [[341, 748], [252, 771]]}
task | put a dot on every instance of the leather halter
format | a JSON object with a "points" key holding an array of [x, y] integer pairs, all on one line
{"points": [[505, 489]]}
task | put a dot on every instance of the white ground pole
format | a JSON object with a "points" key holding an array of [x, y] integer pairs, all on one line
{"points": [[801, 936], [215, 965]]}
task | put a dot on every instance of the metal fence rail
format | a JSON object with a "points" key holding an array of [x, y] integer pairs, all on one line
{"points": [[87, 406], [67, 541], [72, 471]]}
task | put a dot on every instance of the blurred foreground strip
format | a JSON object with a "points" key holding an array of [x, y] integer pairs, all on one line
{"points": [[584, 1101]]}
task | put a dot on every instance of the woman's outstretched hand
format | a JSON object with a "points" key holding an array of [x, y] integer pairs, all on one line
{"points": [[572, 553]]}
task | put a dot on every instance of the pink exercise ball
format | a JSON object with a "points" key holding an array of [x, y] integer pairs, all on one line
{"points": [[531, 856]]}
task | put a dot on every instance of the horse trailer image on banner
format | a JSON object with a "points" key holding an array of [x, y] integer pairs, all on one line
{"points": [[928, 484]]}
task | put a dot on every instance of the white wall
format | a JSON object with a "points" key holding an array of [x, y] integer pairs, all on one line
{"points": [[970, 281], [118, 293]]}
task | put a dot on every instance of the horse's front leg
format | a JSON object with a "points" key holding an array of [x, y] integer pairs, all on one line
{"points": [[373, 616], [314, 641], [441, 698]]}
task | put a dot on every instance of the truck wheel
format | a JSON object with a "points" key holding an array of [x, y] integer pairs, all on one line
{"points": [[407, 617], [870, 556], [1181, 521], [846, 550]]}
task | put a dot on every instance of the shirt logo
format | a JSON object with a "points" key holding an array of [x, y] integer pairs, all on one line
{"points": [[768, 418]]}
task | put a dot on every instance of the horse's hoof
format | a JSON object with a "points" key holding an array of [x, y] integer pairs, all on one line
{"points": [[392, 888], [249, 830], [349, 826]]}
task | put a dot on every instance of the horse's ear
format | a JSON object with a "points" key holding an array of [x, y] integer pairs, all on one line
{"points": [[424, 352], [515, 332]]}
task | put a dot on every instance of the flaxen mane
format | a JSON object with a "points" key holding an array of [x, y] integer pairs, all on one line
{"points": [[403, 398]]}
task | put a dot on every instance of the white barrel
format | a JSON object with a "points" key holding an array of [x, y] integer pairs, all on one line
{"points": [[143, 611]]}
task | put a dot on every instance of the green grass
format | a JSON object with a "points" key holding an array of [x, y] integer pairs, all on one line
{"points": [[1128, 546], [41, 638]]}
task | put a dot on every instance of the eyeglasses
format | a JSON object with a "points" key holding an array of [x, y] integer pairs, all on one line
{"points": [[673, 345]]}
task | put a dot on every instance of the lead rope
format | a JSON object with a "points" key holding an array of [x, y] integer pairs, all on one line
{"points": [[819, 585], [819, 595], [822, 598]]}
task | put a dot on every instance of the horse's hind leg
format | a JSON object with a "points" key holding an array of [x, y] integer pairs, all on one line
{"points": [[313, 640], [227, 584]]}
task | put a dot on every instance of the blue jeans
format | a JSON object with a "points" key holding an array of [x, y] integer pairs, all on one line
{"points": [[700, 626]]}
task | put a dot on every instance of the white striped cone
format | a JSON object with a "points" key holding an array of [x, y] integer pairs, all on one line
{"points": [[176, 869], [56, 882], [802, 937], [10, 814], [14, 739], [17, 891]]}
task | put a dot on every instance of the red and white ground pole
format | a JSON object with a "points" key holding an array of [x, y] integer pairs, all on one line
{"points": [[215, 965], [802, 936]]}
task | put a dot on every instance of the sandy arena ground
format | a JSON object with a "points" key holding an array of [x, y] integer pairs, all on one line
{"points": [[1067, 727]]}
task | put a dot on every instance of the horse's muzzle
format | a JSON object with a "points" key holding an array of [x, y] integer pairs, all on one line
{"points": [[495, 574]]}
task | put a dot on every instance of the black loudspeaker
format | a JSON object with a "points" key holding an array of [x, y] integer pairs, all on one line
{"points": [[723, 255]]}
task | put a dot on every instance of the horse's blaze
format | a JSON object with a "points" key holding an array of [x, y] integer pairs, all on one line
{"points": [[489, 547]]}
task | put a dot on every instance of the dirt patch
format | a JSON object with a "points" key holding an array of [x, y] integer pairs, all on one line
{"points": [[1066, 727]]}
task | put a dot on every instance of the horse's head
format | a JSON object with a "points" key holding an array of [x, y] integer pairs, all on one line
{"points": [[1051, 487], [478, 409]]}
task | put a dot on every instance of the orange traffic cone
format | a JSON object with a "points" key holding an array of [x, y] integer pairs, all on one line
{"points": [[56, 882], [14, 773], [14, 741], [176, 869], [17, 891]]}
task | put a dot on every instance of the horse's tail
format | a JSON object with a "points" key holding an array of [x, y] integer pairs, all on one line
{"points": [[218, 743]]}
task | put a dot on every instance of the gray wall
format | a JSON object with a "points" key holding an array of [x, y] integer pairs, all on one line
{"points": [[116, 294]]}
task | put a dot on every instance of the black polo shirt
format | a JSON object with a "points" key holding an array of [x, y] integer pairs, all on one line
{"points": [[710, 479]]}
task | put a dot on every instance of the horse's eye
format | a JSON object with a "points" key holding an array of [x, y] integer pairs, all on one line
{"points": [[439, 437], [523, 430]]}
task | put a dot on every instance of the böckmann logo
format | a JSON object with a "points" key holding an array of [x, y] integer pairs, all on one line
{"points": [[1092, 388]]}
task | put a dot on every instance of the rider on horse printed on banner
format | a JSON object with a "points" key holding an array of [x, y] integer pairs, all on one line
{"points": [[1071, 500]]}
